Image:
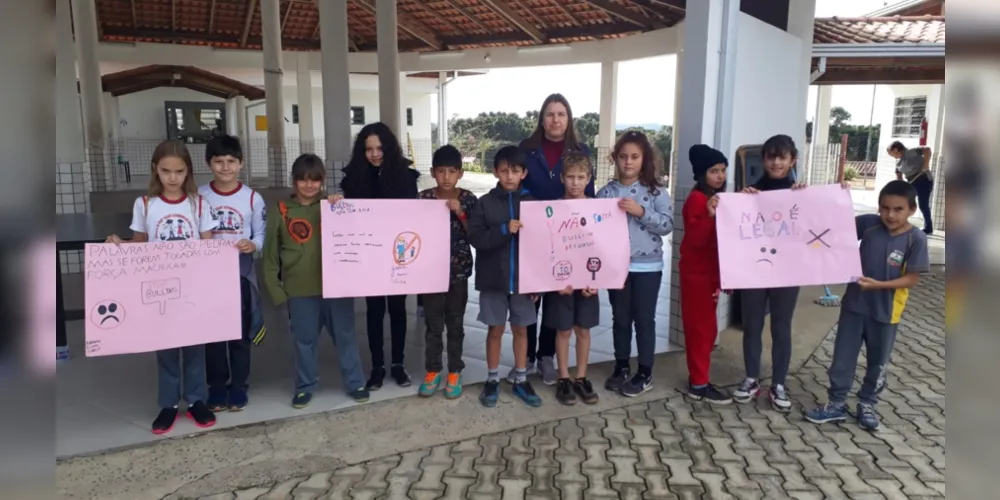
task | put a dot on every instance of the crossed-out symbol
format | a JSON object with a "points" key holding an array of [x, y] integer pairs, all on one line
{"points": [[818, 239]]}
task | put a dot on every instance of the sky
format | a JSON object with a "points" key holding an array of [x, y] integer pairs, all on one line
{"points": [[645, 86]]}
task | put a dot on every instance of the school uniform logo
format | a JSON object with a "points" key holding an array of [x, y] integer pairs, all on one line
{"points": [[230, 220], [174, 227], [895, 259]]}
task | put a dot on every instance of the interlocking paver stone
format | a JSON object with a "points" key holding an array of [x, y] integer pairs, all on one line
{"points": [[678, 449]]}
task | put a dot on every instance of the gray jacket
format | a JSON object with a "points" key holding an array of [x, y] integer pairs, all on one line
{"points": [[646, 233]]}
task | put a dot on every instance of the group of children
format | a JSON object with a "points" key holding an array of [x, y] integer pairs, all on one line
{"points": [[213, 378]]}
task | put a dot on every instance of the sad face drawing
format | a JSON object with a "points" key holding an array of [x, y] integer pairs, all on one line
{"points": [[107, 314]]}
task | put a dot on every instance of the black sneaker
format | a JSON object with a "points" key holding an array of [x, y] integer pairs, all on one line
{"points": [[201, 415], [376, 378], [490, 394], [165, 421], [638, 384], [218, 398], [564, 392], [710, 394], [301, 400], [360, 395], [585, 390], [747, 390], [614, 383], [400, 376]]}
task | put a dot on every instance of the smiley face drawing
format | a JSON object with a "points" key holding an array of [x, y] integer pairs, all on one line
{"points": [[107, 314], [764, 251]]}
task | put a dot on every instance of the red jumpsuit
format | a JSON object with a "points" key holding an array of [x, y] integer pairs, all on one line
{"points": [[700, 281]]}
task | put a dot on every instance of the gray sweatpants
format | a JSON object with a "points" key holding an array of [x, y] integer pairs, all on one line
{"points": [[782, 305], [854, 329]]}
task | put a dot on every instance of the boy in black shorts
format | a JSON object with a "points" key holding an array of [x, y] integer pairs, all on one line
{"points": [[493, 228], [568, 311]]}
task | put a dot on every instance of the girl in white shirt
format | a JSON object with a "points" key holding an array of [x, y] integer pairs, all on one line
{"points": [[173, 210]]}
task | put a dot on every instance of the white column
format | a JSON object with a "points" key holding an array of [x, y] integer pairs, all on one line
{"points": [[241, 127], [336, 89], [111, 116], [820, 162], [388, 66], [609, 108], [801, 20], [442, 108], [304, 86], [85, 28], [72, 191], [277, 167], [404, 129], [935, 139], [231, 116]]}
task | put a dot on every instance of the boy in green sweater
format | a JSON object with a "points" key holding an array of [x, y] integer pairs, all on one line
{"points": [[293, 274]]}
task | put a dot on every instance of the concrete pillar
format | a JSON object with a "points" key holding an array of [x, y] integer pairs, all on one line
{"points": [[388, 67], [935, 139], [241, 128], [304, 86], [277, 163], [336, 89], [72, 189], [707, 65], [801, 20], [442, 110], [609, 108], [821, 166], [85, 28], [231, 116]]}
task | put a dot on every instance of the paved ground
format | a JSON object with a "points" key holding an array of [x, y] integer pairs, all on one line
{"points": [[674, 448]]}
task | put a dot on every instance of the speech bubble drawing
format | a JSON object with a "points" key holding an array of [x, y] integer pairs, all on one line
{"points": [[160, 291]]}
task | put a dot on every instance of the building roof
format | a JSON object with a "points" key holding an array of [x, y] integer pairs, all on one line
{"points": [[897, 29], [910, 8], [159, 75]]}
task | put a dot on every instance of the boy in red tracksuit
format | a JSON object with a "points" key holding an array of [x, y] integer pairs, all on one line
{"points": [[699, 271]]}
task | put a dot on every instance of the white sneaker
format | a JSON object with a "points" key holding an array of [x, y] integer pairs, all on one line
{"points": [[748, 390], [547, 367], [779, 398]]}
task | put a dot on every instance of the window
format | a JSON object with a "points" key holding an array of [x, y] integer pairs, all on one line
{"points": [[409, 117], [295, 113], [195, 122], [357, 115], [907, 116]]}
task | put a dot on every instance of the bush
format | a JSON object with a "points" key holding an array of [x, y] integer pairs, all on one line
{"points": [[850, 173]]}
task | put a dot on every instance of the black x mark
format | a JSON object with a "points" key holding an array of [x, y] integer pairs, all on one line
{"points": [[818, 237]]}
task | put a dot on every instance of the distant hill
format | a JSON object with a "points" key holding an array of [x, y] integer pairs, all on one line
{"points": [[650, 126]]}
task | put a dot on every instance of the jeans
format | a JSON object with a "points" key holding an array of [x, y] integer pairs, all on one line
{"points": [[441, 311], [541, 339], [635, 304], [853, 329], [924, 185], [397, 327], [228, 362], [782, 304], [307, 316], [170, 363]]}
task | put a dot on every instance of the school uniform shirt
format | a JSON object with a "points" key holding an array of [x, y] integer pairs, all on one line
{"points": [[885, 257], [241, 213], [166, 220]]}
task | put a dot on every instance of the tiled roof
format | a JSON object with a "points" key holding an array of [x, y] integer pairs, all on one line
{"points": [[861, 30]]}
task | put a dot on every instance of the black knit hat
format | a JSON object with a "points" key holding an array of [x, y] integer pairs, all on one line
{"points": [[703, 158]]}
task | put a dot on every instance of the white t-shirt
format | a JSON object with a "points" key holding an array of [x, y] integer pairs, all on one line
{"points": [[240, 213], [164, 220]]}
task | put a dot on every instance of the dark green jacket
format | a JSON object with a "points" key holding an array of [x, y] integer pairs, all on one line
{"points": [[293, 262]]}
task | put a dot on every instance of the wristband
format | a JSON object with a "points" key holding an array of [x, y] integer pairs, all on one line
{"points": [[463, 217]]}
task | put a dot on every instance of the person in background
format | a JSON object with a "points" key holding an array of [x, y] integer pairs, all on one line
{"points": [[447, 310], [650, 218], [554, 136], [241, 218], [914, 164], [173, 210], [378, 170]]}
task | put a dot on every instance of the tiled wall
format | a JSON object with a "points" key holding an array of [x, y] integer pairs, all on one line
{"points": [[72, 197]]}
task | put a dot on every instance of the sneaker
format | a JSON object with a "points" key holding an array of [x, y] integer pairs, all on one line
{"points": [[529, 370], [453, 387], [585, 390], [526, 393], [400, 376], [165, 421], [201, 415], [638, 384], [360, 395], [431, 383], [867, 418], [547, 367], [301, 400], [490, 394], [376, 378], [830, 412], [747, 390], [614, 383], [564, 392], [218, 399], [238, 399], [710, 394], [779, 399]]}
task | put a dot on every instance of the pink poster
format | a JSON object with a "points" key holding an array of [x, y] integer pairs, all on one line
{"points": [[143, 297], [787, 238], [578, 243], [385, 247]]}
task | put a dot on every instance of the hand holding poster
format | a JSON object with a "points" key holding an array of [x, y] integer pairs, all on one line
{"points": [[385, 247], [143, 297], [577, 243], [787, 238]]}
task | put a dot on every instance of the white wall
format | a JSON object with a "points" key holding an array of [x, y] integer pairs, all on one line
{"points": [[885, 103]]}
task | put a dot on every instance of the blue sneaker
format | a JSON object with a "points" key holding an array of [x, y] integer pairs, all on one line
{"points": [[217, 399], [526, 393], [831, 412], [490, 394], [431, 383], [453, 387], [867, 418], [238, 399]]}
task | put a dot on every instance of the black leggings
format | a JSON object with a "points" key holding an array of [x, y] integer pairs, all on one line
{"points": [[397, 327]]}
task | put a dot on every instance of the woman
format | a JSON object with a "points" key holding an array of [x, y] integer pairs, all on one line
{"points": [[378, 169], [553, 137], [915, 165]]}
